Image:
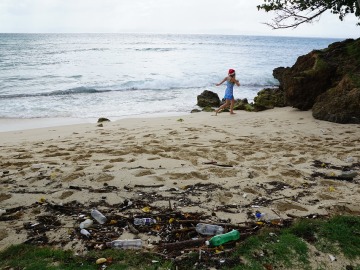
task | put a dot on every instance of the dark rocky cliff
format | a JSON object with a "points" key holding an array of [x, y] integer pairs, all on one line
{"points": [[326, 81]]}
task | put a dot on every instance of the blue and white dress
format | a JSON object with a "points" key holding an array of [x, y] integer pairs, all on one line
{"points": [[229, 90]]}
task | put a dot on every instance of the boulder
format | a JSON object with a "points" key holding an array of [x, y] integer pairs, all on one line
{"points": [[195, 111], [326, 81], [103, 119], [306, 80], [208, 99], [243, 104], [269, 98], [340, 104], [278, 73]]}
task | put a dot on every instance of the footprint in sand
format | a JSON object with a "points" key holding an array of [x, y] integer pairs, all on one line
{"points": [[144, 173], [65, 194], [285, 206], [4, 197]]}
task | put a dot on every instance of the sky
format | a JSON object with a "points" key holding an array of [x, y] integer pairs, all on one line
{"points": [[228, 17]]}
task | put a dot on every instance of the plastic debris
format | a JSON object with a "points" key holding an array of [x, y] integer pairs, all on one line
{"points": [[209, 229], [144, 221], [87, 223], [98, 216], [146, 209], [125, 244], [85, 232], [101, 260], [220, 239], [332, 257]]}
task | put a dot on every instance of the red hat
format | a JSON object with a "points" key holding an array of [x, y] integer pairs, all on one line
{"points": [[231, 71]]}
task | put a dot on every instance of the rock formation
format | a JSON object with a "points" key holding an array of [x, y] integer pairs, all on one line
{"points": [[208, 99], [326, 81]]}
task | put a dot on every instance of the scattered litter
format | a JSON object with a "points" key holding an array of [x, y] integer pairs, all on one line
{"points": [[101, 260], [332, 258], [86, 224], [85, 232]]}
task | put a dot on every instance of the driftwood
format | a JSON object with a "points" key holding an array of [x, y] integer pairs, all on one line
{"points": [[217, 164], [339, 177]]}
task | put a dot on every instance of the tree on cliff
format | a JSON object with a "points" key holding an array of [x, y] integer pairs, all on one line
{"points": [[292, 13]]}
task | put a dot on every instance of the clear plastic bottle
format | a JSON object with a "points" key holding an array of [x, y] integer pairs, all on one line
{"points": [[125, 244], [87, 223], [144, 221], [85, 232], [209, 229], [98, 216], [269, 218], [220, 239]]}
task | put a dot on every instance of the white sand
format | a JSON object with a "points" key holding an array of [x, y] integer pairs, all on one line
{"points": [[277, 146]]}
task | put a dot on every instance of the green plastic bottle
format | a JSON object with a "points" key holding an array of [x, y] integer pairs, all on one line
{"points": [[220, 239]]}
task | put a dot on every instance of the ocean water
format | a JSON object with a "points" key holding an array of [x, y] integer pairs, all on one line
{"points": [[128, 75]]}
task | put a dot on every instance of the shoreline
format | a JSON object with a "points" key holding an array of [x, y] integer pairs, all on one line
{"points": [[22, 124]]}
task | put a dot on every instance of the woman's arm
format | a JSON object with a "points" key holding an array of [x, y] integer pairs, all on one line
{"points": [[220, 83]]}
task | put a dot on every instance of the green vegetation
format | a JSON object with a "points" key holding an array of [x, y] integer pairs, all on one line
{"points": [[292, 13], [35, 258], [353, 50], [271, 248]]}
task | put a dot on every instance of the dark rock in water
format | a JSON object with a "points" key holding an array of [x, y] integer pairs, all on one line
{"points": [[208, 99], [103, 119], [278, 73], [195, 111], [327, 81], [269, 98]]}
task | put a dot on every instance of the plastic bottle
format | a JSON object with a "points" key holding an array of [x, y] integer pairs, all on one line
{"points": [[209, 229], [144, 221], [87, 223], [98, 216], [85, 232], [275, 220], [220, 239], [259, 215], [125, 244]]}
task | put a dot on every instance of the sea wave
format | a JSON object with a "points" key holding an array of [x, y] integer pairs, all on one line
{"points": [[128, 86], [73, 91], [156, 49]]}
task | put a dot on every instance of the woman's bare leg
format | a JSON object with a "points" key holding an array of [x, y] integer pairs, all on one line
{"points": [[232, 106], [227, 103]]}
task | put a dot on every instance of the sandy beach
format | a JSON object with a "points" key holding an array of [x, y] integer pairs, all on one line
{"points": [[279, 161]]}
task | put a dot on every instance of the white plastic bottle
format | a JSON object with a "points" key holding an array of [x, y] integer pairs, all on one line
{"points": [[209, 229], [144, 221], [98, 216], [125, 244], [87, 223], [85, 232]]}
